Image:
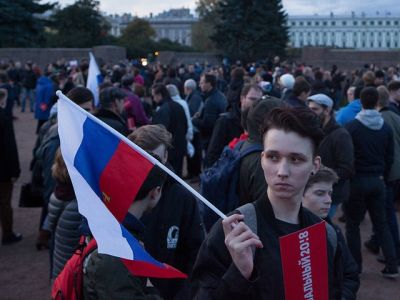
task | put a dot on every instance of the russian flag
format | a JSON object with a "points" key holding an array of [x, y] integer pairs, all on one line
{"points": [[107, 170], [94, 79]]}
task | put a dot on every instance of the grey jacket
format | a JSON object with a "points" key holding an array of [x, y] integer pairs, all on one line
{"points": [[64, 220]]}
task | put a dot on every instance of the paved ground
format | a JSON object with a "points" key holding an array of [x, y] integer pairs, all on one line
{"points": [[24, 270]]}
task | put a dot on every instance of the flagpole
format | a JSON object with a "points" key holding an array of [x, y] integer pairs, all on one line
{"points": [[144, 153]]}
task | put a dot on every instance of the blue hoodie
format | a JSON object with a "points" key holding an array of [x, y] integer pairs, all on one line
{"points": [[348, 113], [44, 93]]}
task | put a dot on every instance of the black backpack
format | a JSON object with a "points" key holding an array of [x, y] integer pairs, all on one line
{"points": [[219, 183]]}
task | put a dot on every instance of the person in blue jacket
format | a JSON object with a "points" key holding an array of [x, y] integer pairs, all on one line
{"points": [[44, 94], [348, 113]]}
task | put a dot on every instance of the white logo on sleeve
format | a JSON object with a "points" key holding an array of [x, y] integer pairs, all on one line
{"points": [[173, 236]]}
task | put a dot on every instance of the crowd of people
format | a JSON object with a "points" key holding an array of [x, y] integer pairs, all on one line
{"points": [[320, 140]]}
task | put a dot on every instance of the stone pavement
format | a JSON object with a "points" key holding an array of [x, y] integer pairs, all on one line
{"points": [[24, 271]]}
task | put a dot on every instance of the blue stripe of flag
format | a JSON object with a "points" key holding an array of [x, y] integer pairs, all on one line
{"points": [[97, 148], [138, 252]]}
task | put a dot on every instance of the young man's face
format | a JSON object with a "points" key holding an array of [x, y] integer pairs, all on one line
{"points": [[287, 161], [252, 96], [156, 97], [317, 198], [204, 85]]}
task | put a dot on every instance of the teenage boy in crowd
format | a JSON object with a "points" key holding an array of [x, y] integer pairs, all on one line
{"points": [[105, 276], [318, 199], [174, 231], [226, 267]]}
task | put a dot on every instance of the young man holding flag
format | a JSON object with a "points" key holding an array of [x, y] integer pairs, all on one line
{"points": [[227, 267]]}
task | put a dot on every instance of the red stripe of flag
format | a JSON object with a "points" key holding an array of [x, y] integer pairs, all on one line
{"points": [[122, 178], [144, 269]]}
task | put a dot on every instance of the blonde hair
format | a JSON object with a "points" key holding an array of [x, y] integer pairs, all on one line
{"points": [[59, 169]]}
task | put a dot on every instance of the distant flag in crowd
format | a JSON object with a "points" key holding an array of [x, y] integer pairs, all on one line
{"points": [[107, 171], [94, 79]]}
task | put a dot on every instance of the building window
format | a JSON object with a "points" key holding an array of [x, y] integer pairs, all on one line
{"points": [[387, 22], [324, 23], [372, 23], [333, 23], [301, 23], [379, 22], [388, 44], [316, 23], [308, 23], [396, 23], [355, 23], [344, 23], [364, 23], [293, 23]]}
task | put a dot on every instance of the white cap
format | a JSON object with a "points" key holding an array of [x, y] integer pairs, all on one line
{"points": [[287, 81], [321, 99]]}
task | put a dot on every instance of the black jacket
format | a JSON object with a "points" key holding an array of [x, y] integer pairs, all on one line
{"points": [[173, 234], [347, 268], [336, 151], [373, 149], [216, 277], [295, 102], [252, 184], [9, 162], [194, 102], [172, 116], [214, 105], [113, 120], [226, 128]]}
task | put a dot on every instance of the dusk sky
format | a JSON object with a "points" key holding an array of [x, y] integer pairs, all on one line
{"points": [[293, 7]]}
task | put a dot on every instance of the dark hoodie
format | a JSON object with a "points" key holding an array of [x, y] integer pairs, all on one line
{"points": [[336, 152], [373, 144]]}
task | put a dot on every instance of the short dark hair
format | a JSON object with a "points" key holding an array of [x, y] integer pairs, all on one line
{"points": [[300, 85], [394, 85], [211, 79], [109, 95], [300, 120], [238, 73], [155, 178], [127, 80], [160, 89], [257, 115], [357, 91], [324, 174], [369, 98], [80, 95], [379, 74]]}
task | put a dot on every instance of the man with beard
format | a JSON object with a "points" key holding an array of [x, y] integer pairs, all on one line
{"points": [[335, 150]]}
